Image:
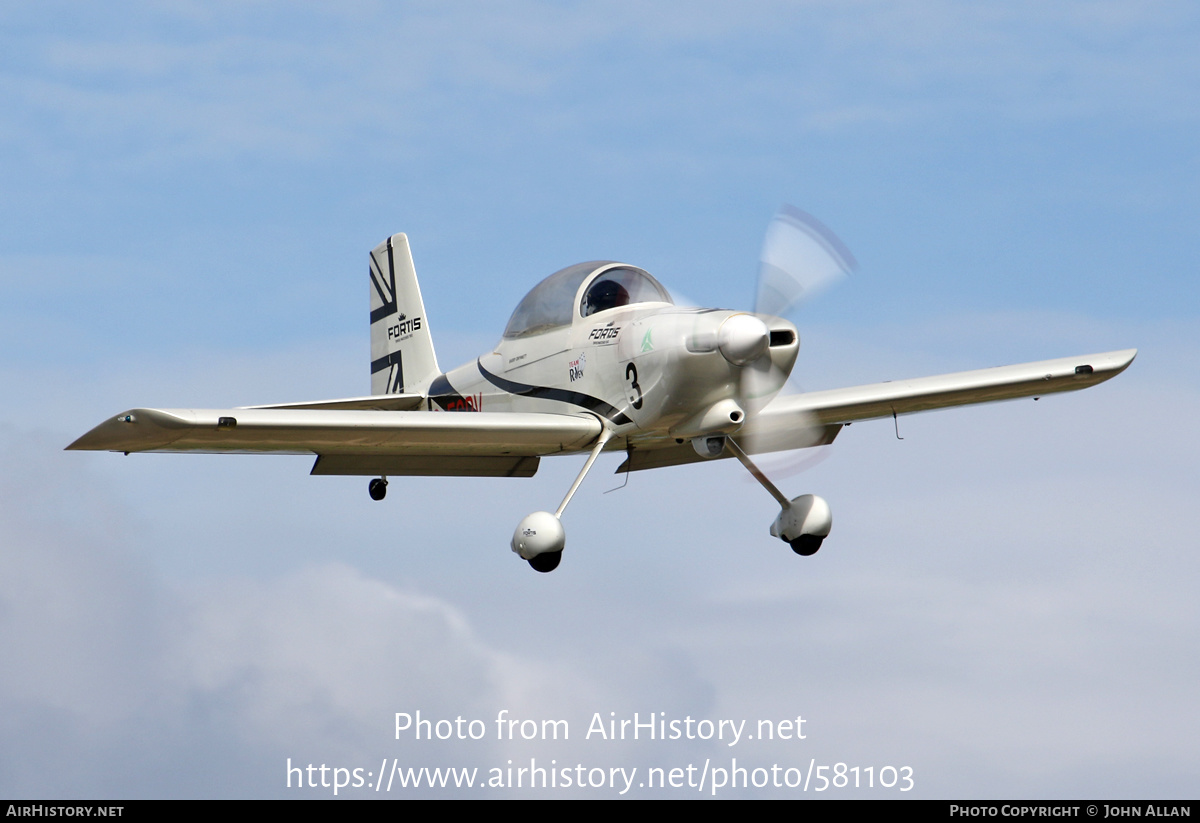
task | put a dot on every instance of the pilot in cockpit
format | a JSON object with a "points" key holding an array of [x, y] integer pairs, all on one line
{"points": [[604, 294]]}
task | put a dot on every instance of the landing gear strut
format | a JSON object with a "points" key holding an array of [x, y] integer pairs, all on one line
{"points": [[804, 522], [539, 538], [377, 488]]}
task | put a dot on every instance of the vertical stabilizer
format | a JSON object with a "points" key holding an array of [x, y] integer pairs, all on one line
{"points": [[402, 358]]}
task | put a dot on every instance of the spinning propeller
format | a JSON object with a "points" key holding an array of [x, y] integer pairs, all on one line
{"points": [[800, 258]]}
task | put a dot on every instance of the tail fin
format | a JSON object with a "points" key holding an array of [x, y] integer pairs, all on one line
{"points": [[402, 358]]}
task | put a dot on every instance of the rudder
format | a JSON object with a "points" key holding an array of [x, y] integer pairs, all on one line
{"points": [[402, 357]]}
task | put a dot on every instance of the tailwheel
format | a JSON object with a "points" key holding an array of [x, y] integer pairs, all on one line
{"points": [[546, 561], [377, 488]]}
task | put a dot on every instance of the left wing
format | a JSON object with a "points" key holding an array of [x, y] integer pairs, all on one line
{"points": [[946, 390], [355, 441], [814, 418]]}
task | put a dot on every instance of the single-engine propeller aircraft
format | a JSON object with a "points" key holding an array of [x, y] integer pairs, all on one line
{"points": [[596, 357]]}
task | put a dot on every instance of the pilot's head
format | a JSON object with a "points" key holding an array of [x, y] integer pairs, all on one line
{"points": [[605, 294]]}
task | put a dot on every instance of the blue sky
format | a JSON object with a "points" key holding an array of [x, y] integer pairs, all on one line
{"points": [[1007, 600]]}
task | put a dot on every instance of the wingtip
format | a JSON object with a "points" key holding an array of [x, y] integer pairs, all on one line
{"points": [[132, 430]]}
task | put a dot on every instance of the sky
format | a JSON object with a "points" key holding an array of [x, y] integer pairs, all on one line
{"points": [[1006, 604]]}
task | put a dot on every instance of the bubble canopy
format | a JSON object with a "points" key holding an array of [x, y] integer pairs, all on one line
{"points": [[551, 304]]}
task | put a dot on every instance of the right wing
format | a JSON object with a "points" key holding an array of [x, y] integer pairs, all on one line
{"points": [[354, 441]]}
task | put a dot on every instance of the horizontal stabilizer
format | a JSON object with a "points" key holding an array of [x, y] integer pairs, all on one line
{"points": [[380, 402]]}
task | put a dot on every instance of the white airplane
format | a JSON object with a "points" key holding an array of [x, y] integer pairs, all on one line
{"points": [[596, 358]]}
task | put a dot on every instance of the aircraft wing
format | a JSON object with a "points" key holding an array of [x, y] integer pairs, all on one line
{"points": [[355, 441], [814, 418], [775, 425]]}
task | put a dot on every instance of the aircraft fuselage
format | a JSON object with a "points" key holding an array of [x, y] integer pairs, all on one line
{"points": [[646, 370]]}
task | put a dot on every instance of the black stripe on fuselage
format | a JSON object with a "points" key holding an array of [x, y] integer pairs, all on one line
{"points": [[442, 393], [575, 398]]}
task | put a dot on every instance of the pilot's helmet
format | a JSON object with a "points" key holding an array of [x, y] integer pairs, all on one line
{"points": [[605, 294]]}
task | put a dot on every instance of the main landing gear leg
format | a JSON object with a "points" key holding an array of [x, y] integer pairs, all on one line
{"points": [[804, 522], [539, 538]]}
